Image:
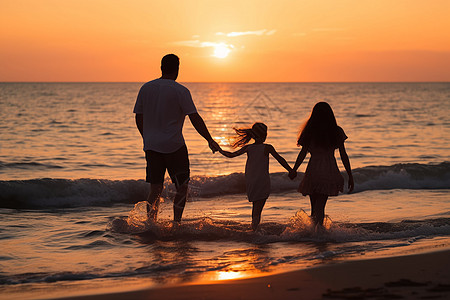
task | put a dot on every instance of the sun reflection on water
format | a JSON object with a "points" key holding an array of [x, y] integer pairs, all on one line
{"points": [[240, 264], [228, 275]]}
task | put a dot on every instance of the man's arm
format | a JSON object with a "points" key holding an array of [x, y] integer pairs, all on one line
{"points": [[140, 123], [201, 128]]}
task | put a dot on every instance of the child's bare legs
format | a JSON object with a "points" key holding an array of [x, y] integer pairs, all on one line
{"points": [[318, 202], [153, 200], [256, 212]]}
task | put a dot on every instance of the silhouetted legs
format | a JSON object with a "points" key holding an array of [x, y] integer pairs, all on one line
{"points": [[256, 213], [153, 200], [318, 202], [177, 165], [179, 202]]}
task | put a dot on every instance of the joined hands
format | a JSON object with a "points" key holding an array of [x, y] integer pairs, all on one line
{"points": [[292, 174], [214, 146]]}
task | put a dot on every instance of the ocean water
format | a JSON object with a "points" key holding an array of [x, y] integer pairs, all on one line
{"points": [[72, 189]]}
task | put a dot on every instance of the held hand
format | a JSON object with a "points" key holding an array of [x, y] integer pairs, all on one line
{"points": [[351, 185], [226, 153], [292, 174], [214, 146]]}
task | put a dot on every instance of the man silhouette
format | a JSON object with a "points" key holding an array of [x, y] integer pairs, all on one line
{"points": [[160, 109]]}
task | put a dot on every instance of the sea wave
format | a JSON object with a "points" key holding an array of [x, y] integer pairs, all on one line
{"points": [[56, 193]]}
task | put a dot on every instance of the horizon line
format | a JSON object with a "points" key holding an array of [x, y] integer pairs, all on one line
{"points": [[229, 81]]}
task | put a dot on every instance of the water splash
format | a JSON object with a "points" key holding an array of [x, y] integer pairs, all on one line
{"points": [[138, 216], [137, 220], [299, 228], [300, 222]]}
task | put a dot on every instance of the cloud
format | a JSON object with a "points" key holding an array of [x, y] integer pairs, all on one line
{"points": [[221, 50], [190, 43], [199, 44], [255, 32], [195, 43]]}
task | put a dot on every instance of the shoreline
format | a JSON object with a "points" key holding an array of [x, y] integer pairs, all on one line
{"points": [[413, 276]]}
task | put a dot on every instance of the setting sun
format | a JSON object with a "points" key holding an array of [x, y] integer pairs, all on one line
{"points": [[221, 50]]}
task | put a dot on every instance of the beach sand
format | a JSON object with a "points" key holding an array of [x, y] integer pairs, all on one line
{"points": [[420, 276]]}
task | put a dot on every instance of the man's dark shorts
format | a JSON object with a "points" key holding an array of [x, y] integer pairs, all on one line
{"points": [[176, 163]]}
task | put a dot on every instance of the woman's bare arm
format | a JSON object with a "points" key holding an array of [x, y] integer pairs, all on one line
{"points": [[346, 161], [300, 158]]}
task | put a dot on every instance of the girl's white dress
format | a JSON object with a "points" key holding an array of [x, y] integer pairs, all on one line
{"points": [[257, 173], [322, 175]]}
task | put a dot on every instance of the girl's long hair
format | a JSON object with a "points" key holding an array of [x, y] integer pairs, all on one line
{"points": [[321, 127], [258, 131]]}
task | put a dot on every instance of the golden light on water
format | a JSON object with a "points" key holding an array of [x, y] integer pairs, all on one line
{"points": [[223, 141], [237, 271], [240, 266], [229, 275]]}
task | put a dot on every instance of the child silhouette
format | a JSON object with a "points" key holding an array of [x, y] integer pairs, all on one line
{"points": [[320, 137], [257, 167]]}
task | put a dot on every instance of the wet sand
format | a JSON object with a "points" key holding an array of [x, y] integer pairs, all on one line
{"points": [[421, 276]]}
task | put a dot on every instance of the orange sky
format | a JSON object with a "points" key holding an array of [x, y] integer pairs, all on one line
{"points": [[96, 40]]}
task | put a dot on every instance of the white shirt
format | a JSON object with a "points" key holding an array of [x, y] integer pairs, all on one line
{"points": [[164, 104]]}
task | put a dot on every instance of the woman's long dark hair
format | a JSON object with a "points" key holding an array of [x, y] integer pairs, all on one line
{"points": [[321, 127], [258, 131]]}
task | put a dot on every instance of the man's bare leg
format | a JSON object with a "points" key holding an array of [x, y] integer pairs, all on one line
{"points": [[179, 202], [153, 200]]}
